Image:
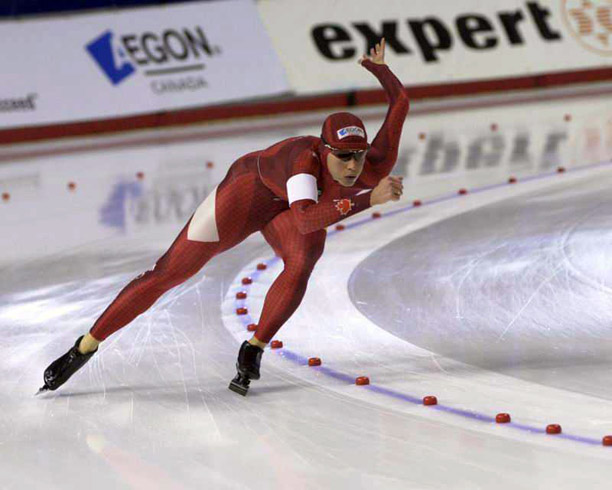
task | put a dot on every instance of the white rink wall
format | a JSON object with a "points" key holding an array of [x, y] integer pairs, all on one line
{"points": [[109, 199]]}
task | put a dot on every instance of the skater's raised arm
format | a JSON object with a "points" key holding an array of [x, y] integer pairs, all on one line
{"points": [[375, 64], [383, 153]]}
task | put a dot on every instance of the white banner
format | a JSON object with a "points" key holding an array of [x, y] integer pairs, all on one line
{"points": [[131, 62], [435, 41]]}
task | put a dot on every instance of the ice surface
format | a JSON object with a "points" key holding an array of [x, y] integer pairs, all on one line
{"points": [[495, 301]]}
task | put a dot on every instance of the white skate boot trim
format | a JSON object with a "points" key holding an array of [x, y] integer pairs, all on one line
{"points": [[203, 225], [302, 186]]}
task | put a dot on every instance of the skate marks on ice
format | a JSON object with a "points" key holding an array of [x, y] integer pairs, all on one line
{"points": [[521, 287], [325, 327], [154, 397]]}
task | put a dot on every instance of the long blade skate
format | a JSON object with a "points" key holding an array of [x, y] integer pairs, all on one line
{"points": [[60, 370], [240, 384], [42, 390]]}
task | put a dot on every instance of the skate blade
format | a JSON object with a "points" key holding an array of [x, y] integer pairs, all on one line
{"points": [[44, 389], [236, 388]]}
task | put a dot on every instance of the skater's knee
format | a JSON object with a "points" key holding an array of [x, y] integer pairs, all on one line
{"points": [[305, 260], [300, 268], [306, 256]]}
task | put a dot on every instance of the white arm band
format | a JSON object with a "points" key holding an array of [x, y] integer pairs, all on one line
{"points": [[302, 186]]}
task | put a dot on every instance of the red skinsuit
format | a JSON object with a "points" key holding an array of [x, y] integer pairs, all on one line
{"points": [[253, 197]]}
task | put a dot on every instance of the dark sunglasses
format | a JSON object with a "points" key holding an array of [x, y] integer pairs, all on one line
{"points": [[346, 155]]}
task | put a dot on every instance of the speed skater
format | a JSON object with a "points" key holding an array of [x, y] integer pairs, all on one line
{"points": [[290, 192]]}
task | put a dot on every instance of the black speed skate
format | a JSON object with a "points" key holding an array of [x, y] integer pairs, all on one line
{"points": [[60, 370], [249, 360]]}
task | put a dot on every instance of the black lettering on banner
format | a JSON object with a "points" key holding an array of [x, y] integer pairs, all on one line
{"points": [[486, 151], [162, 205], [174, 204], [178, 49], [520, 150], [140, 210], [452, 153], [471, 25], [431, 35], [388, 31], [551, 156], [510, 21], [153, 50], [327, 36], [436, 147], [198, 40], [540, 17], [21, 104], [132, 48], [404, 158], [195, 196]]}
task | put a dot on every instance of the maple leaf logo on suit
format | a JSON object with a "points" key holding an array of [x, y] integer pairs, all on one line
{"points": [[344, 206]]}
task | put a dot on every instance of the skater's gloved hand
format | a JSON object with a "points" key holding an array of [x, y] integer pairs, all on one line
{"points": [[390, 188], [377, 54]]}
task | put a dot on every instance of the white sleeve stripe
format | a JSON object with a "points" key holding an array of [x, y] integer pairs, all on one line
{"points": [[302, 186]]}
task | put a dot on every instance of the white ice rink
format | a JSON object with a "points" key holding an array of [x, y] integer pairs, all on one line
{"points": [[499, 300]]}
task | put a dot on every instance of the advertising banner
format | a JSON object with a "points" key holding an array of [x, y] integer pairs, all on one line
{"points": [[98, 66], [430, 42]]}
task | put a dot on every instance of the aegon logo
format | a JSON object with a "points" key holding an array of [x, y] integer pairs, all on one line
{"points": [[432, 35], [590, 21], [171, 51]]}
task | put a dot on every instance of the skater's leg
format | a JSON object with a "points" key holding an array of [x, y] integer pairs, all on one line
{"points": [[240, 206], [218, 224], [179, 263], [300, 253], [183, 259]]}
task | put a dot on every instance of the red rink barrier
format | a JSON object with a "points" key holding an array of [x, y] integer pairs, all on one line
{"points": [[295, 105]]}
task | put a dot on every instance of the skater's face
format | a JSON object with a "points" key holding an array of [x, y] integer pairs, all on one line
{"points": [[346, 166]]}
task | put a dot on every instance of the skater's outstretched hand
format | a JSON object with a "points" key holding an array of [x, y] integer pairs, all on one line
{"points": [[390, 188], [377, 54]]}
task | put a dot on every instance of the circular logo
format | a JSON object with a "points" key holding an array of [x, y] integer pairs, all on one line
{"points": [[590, 22]]}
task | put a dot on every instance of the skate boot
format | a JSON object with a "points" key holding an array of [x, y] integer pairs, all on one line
{"points": [[249, 360], [60, 370]]}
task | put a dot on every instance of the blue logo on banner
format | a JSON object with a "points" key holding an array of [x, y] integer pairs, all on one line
{"points": [[113, 62], [113, 212]]}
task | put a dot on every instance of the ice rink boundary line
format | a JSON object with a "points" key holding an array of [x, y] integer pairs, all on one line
{"points": [[477, 190], [381, 390]]}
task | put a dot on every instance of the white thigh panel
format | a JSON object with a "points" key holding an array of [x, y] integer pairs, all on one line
{"points": [[302, 186], [203, 225]]}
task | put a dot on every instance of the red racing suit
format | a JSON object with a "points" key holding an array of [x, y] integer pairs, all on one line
{"points": [[254, 196]]}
